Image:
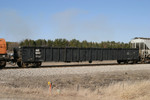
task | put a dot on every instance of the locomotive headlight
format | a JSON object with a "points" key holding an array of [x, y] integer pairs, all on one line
{"points": [[4, 56]]}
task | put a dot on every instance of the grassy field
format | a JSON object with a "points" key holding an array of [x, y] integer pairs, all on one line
{"points": [[138, 90], [128, 82]]}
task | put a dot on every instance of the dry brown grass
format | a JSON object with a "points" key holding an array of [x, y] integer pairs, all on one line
{"points": [[118, 91], [128, 91]]}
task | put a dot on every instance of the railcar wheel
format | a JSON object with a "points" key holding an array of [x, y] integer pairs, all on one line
{"points": [[118, 61], [25, 65], [38, 64], [135, 62], [90, 61], [143, 61], [19, 64], [2, 64]]}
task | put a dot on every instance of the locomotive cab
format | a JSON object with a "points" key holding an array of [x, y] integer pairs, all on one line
{"points": [[143, 44], [2, 46], [3, 53]]}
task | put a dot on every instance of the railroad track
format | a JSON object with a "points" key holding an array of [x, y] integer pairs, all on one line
{"points": [[66, 65]]}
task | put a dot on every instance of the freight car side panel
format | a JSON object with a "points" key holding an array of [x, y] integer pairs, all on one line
{"points": [[28, 55], [62, 54], [99, 54], [82, 54], [35, 54], [88, 54], [49, 56], [69, 54], [75, 55], [93, 54]]}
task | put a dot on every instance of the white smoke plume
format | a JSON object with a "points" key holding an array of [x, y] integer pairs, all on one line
{"points": [[14, 26]]}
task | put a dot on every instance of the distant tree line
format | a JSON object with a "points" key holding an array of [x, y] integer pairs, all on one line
{"points": [[73, 43], [11, 45]]}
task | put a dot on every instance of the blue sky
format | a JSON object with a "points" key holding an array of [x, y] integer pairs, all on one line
{"points": [[91, 20]]}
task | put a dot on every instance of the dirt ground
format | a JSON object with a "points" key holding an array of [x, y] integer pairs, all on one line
{"points": [[36, 87], [90, 81]]}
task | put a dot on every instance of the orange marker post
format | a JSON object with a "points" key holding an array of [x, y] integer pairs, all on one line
{"points": [[50, 87]]}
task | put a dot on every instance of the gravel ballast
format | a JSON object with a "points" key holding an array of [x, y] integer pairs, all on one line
{"points": [[70, 70]]}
